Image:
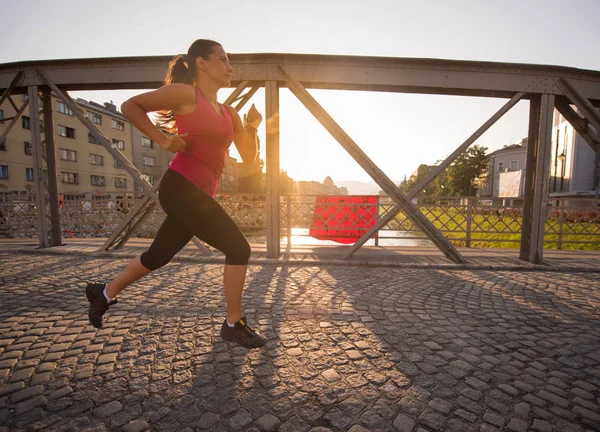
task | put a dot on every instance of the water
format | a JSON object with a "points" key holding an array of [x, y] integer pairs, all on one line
{"points": [[397, 238]]}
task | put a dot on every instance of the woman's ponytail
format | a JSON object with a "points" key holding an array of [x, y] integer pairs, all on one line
{"points": [[179, 72]]}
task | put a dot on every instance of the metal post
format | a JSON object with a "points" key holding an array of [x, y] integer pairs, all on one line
{"points": [[528, 190], [273, 206], [377, 218], [56, 237], [540, 200], [38, 171], [469, 221], [561, 221], [289, 219]]}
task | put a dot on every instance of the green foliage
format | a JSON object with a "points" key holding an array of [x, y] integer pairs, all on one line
{"points": [[456, 180]]}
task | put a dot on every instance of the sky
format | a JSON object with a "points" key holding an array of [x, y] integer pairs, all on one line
{"points": [[397, 131]]}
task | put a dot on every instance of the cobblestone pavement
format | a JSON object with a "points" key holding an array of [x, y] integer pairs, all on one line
{"points": [[351, 348]]}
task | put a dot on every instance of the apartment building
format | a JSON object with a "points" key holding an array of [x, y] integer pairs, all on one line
{"points": [[574, 166], [229, 178], [82, 164], [149, 158]]}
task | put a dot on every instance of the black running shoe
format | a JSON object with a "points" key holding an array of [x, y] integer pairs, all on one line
{"points": [[242, 334], [98, 303]]}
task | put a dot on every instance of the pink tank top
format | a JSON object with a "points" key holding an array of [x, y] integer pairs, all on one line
{"points": [[210, 135]]}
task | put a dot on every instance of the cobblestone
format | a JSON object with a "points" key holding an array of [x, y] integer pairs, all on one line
{"points": [[350, 348]]}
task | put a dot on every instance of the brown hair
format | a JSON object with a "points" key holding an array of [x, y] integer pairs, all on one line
{"points": [[182, 69]]}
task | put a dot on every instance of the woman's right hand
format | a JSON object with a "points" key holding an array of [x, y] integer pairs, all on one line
{"points": [[174, 144]]}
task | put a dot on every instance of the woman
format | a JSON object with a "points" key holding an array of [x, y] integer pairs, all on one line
{"points": [[201, 131]]}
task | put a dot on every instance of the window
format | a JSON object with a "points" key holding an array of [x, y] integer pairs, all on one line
{"points": [[148, 160], [70, 177], [118, 125], [97, 180], [501, 167], [147, 142], [95, 118], [149, 178], [1, 116], [61, 107], [514, 165], [66, 131], [3, 171], [120, 144], [92, 139], [24, 97], [25, 122], [96, 159], [120, 182], [118, 164], [68, 155], [27, 148], [29, 174]]}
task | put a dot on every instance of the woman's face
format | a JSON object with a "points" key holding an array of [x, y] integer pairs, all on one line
{"points": [[217, 66]]}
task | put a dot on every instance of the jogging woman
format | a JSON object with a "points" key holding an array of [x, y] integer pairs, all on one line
{"points": [[201, 130]]}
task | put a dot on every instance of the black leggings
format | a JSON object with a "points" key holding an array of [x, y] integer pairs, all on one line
{"points": [[192, 212]]}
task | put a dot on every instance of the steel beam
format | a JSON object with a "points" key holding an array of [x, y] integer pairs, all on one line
{"points": [[15, 82], [13, 120], [56, 232], [435, 172], [580, 125], [372, 169], [428, 76], [272, 177], [234, 96], [542, 170], [580, 101], [530, 172], [244, 99], [38, 171]]}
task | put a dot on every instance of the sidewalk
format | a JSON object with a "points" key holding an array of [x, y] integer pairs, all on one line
{"points": [[408, 257], [351, 348]]}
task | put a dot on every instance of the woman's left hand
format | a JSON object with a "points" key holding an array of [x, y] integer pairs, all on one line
{"points": [[253, 118]]}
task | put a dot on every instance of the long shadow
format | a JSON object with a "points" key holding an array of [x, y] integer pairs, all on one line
{"points": [[348, 345], [458, 339]]}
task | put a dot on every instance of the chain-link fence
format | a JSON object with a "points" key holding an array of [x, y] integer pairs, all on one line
{"points": [[469, 222]]}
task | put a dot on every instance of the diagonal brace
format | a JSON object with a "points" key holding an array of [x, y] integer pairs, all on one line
{"points": [[372, 169], [580, 125], [582, 104], [14, 83], [14, 120], [435, 172]]}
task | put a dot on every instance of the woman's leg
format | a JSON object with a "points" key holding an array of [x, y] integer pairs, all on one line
{"points": [[234, 277], [208, 221], [170, 239], [134, 271]]}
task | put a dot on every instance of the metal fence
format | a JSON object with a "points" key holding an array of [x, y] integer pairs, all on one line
{"points": [[465, 221]]}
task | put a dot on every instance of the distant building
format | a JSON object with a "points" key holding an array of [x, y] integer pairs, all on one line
{"points": [[229, 178], [507, 159], [316, 188], [82, 164], [574, 166], [149, 158]]}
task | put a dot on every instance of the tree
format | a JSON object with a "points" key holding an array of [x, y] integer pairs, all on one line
{"points": [[466, 168], [407, 185]]}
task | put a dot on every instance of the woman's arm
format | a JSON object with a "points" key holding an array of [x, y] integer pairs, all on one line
{"points": [[174, 97], [245, 135]]}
